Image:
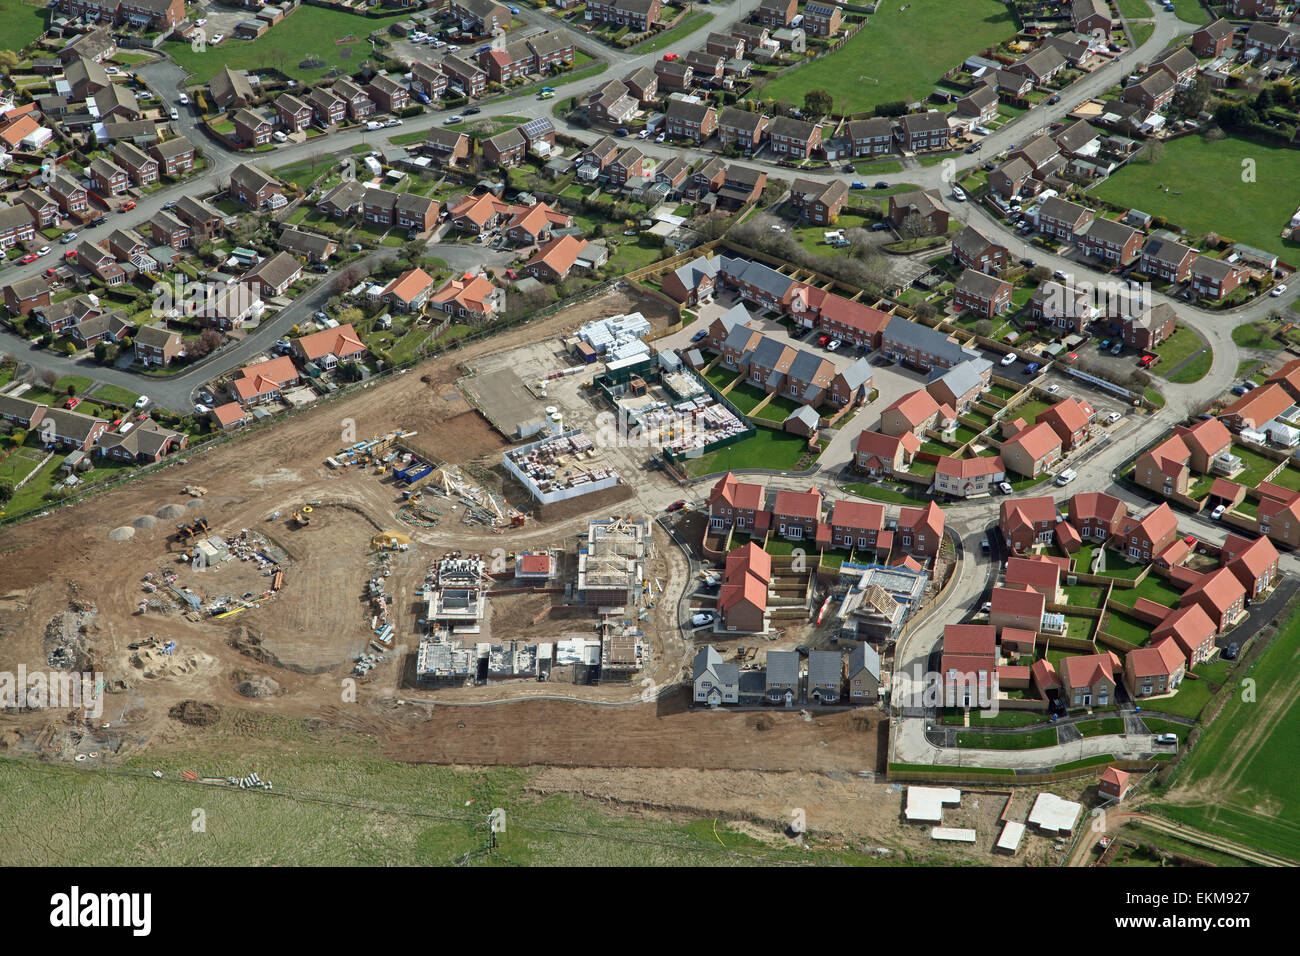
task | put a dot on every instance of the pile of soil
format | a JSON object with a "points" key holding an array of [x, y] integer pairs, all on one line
{"points": [[255, 686], [195, 713]]}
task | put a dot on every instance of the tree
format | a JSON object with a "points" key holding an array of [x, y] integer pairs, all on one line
{"points": [[72, 390], [913, 227], [1154, 150], [818, 102], [1040, 274], [101, 352], [8, 62], [1197, 96], [49, 378], [6, 489]]}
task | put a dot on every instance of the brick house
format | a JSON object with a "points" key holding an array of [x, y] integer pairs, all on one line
{"points": [[1088, 680], [1032, 450], [139, 165], [1110, 241], [1064, 219], [920, 530], [921, 131], [155, 345], [794, 138], [796, 514], [818, 202], [734, 504], [693, 121], [1025, 522], [1214, 278], [971, 249], [1168, 260], [982, 294], [175, 156]]}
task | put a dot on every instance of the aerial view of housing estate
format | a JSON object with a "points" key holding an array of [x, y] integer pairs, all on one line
{"points": [[650, 433]]}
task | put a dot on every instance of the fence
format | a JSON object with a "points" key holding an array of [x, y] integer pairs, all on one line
{"points": [[955, 775]]}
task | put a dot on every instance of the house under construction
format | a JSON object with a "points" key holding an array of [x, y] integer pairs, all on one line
{"points": [[611, 566], [440, 662], [456, 593]]}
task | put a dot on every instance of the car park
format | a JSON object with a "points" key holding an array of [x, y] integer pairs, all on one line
{"points": [[822, 340], [833, 345]]}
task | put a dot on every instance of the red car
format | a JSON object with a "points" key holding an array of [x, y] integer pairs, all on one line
{"points": [[29, 258], [49, 273], [127, 206], [512, 274], [1147, 361], [670, 57], [70, 254], [823, 339], [1072, 358], [677, 505], [1190, 539], [72, 403]]}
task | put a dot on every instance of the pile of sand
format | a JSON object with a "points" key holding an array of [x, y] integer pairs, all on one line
{"points": [[124, 533], [169, 512], [145, 521]]}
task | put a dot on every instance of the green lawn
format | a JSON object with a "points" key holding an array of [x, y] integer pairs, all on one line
{"points": [[1190, 11], [1118, 566], [1247, 758], [1029, 410], [1152, 588], [868, 71], [115, 394], [1127, 628], [1178, 348], [1256, 335], [896, 492], [79, 382], [1134, 9], [764, 449], [668, 37], [745, 397], [310, 31], [1032, 740], [305, 172], [1195, 169], [1083, 595], [1256, 467], [21, 22], [1101, 726]]}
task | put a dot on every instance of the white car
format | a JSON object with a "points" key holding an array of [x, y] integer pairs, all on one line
{"points": [[279, 136], [374, 124], [111, 71], [1167, 739], [452, 48], [1053, 389], [1277, 290], [393, 122], [1008, 359], [1217, 513], [183, 99], [832, 345], [200, 21], [202, 409], [1005, 487], [173, 113], [701, 618], [661, 137], [217, 39], [958, 194], [644, 134], [1067, 476], [1113, 417], [438, 44], [142, 401]]}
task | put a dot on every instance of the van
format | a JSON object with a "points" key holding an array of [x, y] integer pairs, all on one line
{"points": [[1067, 476]]}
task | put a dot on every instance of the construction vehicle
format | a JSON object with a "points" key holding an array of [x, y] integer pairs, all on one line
{"points": [[184, 531], [302, 517]]}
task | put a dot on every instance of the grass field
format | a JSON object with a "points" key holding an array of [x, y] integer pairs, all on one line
{"points": [[21, 22], [116, 395], [898, 493], [311, 31], [1239, 781], [1256, 335], [688, 26], [1033, 740], [868, 71], [342, 811], [764, 449], [1185, 345], [1196, 170]]}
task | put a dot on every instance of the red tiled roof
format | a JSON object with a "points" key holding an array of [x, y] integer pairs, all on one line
{"points": [[1022, 602], [534, 563], [854, 315], [858, 514], [1019, 635], [967, 468], [1082, 670], [1260, 405], [1044, 674], [1207, 437], [798, 504], [738, 494], [559, 253], [884, 446], [970, 640], [229, 413], [929, 518], [338, 342], [915, 407], [1158, 659], [1035, 574], [1190, 626], [1220, 588], [409, 284], [1071, 414], [1038, 441]]}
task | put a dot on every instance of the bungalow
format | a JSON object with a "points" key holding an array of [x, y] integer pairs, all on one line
{"points": [[314, 247], [265, 381], [1256, 408], [272, 277], [229, 416], [147, 443], [71, 429], [475, 297], [21, 411], [328, 347]]}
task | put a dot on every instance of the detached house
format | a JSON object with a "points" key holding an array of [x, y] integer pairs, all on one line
{"points": [[329, 347], [175, 156], [971, 249], [734, 504], [1154, 670], [140, 166], [1032, 451], [1025, 522], [272, 277], [818, 202], [1088, 680]]}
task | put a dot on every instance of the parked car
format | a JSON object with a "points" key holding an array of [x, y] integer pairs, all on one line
{"points": [[1053, 100], [1028, 263], [958, 194], [701, 618], [881, 185], [99, 220], [1148, 360], [280, 136], [174, 113], [70, 254], [126, 206], [1060, 275], [142, 401], [374, 125], [833, 345], [1053, 389], [1005, 487], [217, 39], [670, 56], [660, 136], [72, 403], [677, 505], [453, 118], [1277, 290], [621, 131], [1032, 367], [1116, 348], [43, 250], [879, 226], [320, 267], [1008, 359], [822, 340], [1067, 476], [67, 238], [473, 110], [699, 335], [1218, 511], [972, 148], [1113, 417], [319, 316], [857, 184], [183, 99], [644, 134], [1229, 653], [1166, 738]]}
